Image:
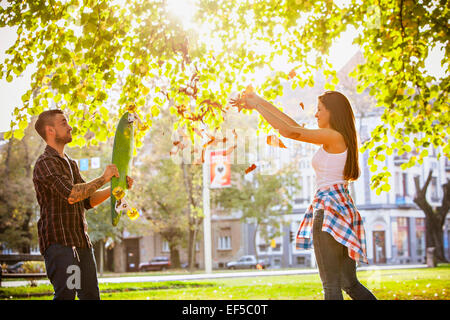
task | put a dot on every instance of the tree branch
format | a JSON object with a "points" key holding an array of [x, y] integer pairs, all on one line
{"points": [[420, 198], [445, 207]]}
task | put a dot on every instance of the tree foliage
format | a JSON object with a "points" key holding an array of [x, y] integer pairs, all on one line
{"points": [[261, 198], [18, 206], [94, 54]]}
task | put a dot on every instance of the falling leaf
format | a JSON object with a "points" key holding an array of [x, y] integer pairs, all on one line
{"points": [[118, 193], [133, 214], [197, 131], [174, 150], [292, 74], [203, 155], [250, 169], [210, 142], [275, 142], [131, 108], [213, 142], [143, 127], [302, 106], [230, 150]]}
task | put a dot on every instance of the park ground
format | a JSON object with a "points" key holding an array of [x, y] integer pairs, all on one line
{"points": [[395, 284]]}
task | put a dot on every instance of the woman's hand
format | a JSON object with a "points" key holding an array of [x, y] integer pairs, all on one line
{"points": [[246, 101]]}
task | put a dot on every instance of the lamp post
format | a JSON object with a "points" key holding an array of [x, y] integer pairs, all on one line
{"points": [[207, 214]]}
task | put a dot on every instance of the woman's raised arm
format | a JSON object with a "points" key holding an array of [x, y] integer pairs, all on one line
{"points": [[285, 125]]}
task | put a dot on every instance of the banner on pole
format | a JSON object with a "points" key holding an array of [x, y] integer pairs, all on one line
{"points": [[84, 164], [95, 163], [220, 169]]}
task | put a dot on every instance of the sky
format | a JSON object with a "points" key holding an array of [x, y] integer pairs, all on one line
{"points": [[10, 93]]}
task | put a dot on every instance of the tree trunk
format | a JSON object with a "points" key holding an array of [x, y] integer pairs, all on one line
{"points": [[26, 247], [191, 250], [434, 218], [429, 239], [174, 256]]}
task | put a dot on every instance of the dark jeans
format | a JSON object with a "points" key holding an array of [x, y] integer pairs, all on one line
{"points": [[72, 272], [337, 270]]}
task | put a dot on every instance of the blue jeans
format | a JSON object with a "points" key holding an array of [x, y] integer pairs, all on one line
{"points": [[336, 269], [72, 272]]}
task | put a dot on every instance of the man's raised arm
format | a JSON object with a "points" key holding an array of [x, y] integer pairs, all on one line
{"points": [[82, 191]]}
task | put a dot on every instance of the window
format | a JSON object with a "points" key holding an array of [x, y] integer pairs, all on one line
{"points": [[434, 190], [225, 243], [301, 260], [165, 246], [405, 184], [277, 248], [397, 184], [277, 262], [401, 236], [420, 237]]}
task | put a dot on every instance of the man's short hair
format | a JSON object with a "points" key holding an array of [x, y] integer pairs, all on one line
{"points": [[46, 118]]}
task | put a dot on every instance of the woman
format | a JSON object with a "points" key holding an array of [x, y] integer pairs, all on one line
{"points": [[337, 228]]}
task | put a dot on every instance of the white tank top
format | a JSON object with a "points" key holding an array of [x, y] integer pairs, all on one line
{"points": [[329, 167]]}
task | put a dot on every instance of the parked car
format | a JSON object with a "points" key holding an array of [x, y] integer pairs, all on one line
{"points": [[247, 262], [157, 263], [15, 268]]}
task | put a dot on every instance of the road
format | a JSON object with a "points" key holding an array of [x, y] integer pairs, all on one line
{"points": [[201, 276]]}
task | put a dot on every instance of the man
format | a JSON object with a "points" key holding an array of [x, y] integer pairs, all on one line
{"points": [[63, 197]]}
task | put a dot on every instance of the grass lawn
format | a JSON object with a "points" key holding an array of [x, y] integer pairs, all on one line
{"points": [[404, 284]]}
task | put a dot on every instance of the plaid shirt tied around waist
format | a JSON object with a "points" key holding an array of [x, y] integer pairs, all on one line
{"points": [[341, 220], [59, 221]]}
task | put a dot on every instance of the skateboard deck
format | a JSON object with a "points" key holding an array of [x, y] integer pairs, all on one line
{"points": [[121, 157]]}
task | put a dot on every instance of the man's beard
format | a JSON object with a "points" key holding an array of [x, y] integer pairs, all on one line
{"points": [[63, 139]]}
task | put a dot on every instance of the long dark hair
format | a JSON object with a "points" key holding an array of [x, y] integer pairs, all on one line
{"points": [[342, 120]]}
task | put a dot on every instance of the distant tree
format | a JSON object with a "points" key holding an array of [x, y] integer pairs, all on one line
{"points": [[161, 193], [262, 200], [18, 205], [434, 217]]}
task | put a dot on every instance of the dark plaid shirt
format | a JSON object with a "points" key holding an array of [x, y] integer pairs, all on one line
{"points": [[59, 222]]}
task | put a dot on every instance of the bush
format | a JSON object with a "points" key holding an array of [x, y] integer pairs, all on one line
{"points": [[34, 267]]}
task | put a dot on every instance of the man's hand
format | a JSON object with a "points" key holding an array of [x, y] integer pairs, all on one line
{"points": [[130, 182], [110, 171]]}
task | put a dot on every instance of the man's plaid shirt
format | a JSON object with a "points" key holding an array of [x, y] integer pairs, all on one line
{"points": [[341, 219], [59, 222]]}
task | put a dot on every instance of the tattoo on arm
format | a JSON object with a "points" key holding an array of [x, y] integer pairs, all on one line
{"points": [[82, 191]]}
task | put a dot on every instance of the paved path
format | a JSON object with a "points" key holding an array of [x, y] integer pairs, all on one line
{"points": [[237, 274]]}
